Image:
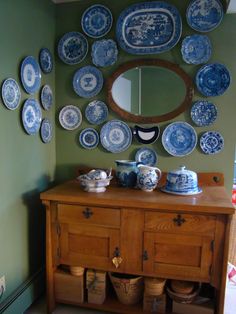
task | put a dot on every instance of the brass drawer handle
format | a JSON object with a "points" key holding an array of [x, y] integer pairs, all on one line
{"points": [[178, 221], [87, 213], [117, 259]]}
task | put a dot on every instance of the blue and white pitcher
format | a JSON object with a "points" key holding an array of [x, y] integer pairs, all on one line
{"points": [[126, 172], [148, 177]]}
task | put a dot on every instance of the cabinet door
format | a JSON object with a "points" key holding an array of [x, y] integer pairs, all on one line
{"points": [[178, 256]]}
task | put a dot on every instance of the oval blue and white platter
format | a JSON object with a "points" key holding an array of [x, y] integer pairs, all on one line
{"points": [[31, 116], [96, 112], [70, 117], [211, 142], [89, 138], [104, 52], [30, 75], [11, 94], [203, 113], [146, 156], [45, 60], [46, 97], [46, 130]]}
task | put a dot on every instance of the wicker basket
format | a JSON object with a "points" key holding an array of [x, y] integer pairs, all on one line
{"points": [[154, 286], [181, 286], [184, 297]]}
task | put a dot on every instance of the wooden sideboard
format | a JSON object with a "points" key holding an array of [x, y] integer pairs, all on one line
{"points": [[155, 234]]}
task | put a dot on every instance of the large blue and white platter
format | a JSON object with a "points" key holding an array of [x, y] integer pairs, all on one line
{"points": [[104, 52], [96, 112], [11, 94], [89, 138], [146, 156], [46, 130], [149, 27], [72, 48], [203, 113], [115, 136], [46, 97], [30, 75], [211, 142], [31, 116], [70, 117], [213, 79], [46, 60], [87, 81], [204, 15], [179, 139], [96, 21]]}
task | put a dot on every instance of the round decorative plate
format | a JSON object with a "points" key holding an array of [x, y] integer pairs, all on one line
{"points": [[213, 79], [115, 136], [146, 135], [96, 112], [146, 156], [11, 94], [211, 142], [198, 191], [46, 97], [46, 130], [72, 48], [204, 15], [70, 117], [31, 116], [89, 138], [45, 60], [96, 21], [30, 75], [87, 81], [179, 139], [196, 49], [203, 113], [104, 52]]}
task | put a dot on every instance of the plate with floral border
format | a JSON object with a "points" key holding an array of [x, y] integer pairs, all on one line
{"points": [[11, 94], [203, 113], [146, 156], [45, 60], [30, 75], [96, 112], [46, 97], [104, 52], [211, 142], [89, 138], [46, 130], [70, 117], [31, 116]]}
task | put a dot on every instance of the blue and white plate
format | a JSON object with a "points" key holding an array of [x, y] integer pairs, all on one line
{"points": [[179, 139], [89, 138], [72, 48], [204, 15], [70, 117], [11, 94], [31, 116], [213, 79], [96, 21], [115, 136], [87, 81], [203, 113], [149, 27], [211, 142], [46, 60], [30, 75], [46, 97], [146, 135], [46, 130], [96, 112], [196, 49], [146, 156], [104, 52]]}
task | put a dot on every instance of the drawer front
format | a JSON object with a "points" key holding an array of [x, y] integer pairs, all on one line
{"points": [[88, 215]]}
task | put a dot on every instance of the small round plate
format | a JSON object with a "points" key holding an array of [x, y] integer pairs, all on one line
{"points": [[45, 60], [104, 52], [203, 113], [146, 156], [211, 142], [11, 94], [89, 138], [46, 130], [31, 116], [96, 112], [198, 191], [46, 97], [70, 117], [30, 75]]}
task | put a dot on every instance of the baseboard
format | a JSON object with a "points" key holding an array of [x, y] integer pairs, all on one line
{"points": [[25, 294]]}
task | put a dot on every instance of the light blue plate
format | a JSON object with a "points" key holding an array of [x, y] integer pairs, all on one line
{"points": [[89, 138], [96, 112], [197, 191], [31, 116], [179, 139], [204, 15], [46, 130], [87, 81], [104, 52], [11, 94], [211, 142], [196, 49], [149, 27], [146, 156], [203, 113], [70, 117], [115, 136], [30, 75], [213, 79], [72, 48], [46, 97], [96, 21], [46, 60]]}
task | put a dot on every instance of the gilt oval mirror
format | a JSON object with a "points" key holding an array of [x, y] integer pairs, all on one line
{"points": [[149, 91]]}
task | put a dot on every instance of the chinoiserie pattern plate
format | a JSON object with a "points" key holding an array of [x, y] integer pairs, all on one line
{"points": [[70, 117], [96, 21], [204, 15], [89, 138], [196, 49], [115, 136], [72, 48], [198, 191], [203, 113], [46, 97], [11, 94], [149, 27], [179, 139], [104, 52], [146, 156], [46, 130], [87, 81], [211, 142], [31, 116], [30, 75], [45, 60], [96, 112], [213, 79]]}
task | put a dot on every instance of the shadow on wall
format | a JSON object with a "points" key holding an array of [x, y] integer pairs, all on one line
{"points": [[67, 172]]}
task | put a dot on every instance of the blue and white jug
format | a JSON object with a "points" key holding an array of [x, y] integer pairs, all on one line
{"points": [[126, 172], [148, 177]]}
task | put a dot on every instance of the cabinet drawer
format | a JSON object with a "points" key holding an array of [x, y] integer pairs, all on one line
{"points": [[89, 215], [176, 222]]}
